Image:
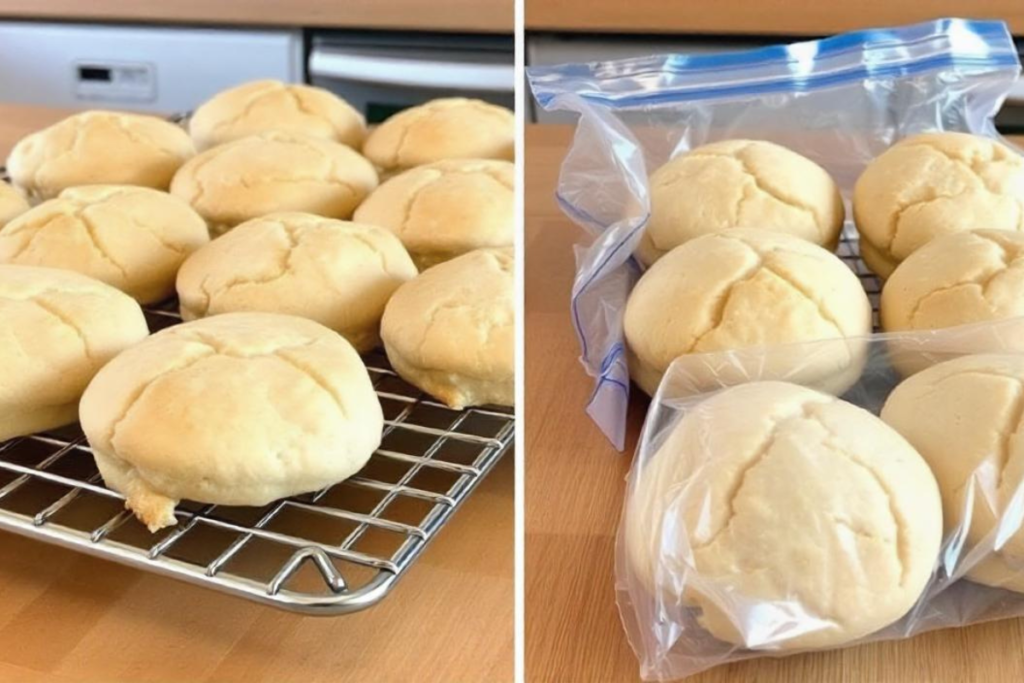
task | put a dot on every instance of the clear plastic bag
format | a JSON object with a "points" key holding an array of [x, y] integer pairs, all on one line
{"points": [[839, 101], [669, 596]]}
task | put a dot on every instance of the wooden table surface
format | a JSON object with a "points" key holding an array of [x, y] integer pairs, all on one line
{"points": [[71, 618], [489, 16], [574, 486]]}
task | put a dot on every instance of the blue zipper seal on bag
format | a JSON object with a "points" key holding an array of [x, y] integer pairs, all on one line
{"points": [[981, 44]]}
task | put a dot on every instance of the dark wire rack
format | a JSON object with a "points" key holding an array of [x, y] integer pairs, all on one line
{"points": [[331, 552], [849, 252]]}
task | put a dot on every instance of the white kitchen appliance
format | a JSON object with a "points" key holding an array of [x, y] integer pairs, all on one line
{"points": [[147, 68]]}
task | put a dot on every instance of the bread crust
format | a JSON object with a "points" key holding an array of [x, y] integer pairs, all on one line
{"points": [[99, 148], [260, 106], [446, 128], [964, 417], [237, 409], [132, 238], [59, 328], [451, 330], [740, 184], [446, 209], [744, 288], [790, 518], [338, 273], [12, 204], [273, 172], [935, 184]]}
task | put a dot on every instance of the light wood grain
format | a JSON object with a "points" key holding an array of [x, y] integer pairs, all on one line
{"points": [[69, 618], [736, 17], [574, 488], [66, 617], [440, 15]]}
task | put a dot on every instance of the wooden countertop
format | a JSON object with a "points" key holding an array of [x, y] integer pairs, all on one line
{"points": [[574, 487], [485, 16], [66, 617], [738, 17]]}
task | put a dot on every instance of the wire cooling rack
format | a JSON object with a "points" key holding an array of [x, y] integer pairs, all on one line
{"points": [[331, 552], [849, 252]]}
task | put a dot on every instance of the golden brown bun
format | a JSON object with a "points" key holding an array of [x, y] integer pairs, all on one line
{"points": [[449, 128], [99, 148], [337, 273], [451, 330], [260, 106], [237, 409], [12, 204], [447, 208], [133, 238], [59, 328], [935, 184], [273, 172], [740, 184]]}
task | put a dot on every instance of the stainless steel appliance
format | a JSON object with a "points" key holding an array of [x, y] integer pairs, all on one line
{"points": [[381, 73]]}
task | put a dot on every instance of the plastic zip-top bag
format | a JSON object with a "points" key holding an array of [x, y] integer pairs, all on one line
{"points": [[840, 102], [765, 518]]}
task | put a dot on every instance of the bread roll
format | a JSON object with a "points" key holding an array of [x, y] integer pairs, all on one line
{"points": [[964, 417], [133, 238], [956, 279], [99, 148], [791, 519], [931, 185], [447, 208], [740, 183], [451, 330], [57, 329], [448, 128], [337, 273], [238, 409], [259, 106], [12, 204], [273, 172], [742, 288]]}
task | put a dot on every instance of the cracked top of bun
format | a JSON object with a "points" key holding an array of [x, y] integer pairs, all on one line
{"points": [[446, 208], [272, 172], [99, 148], [956, 279], [740, 184], [739, 288], [259, 106], [237, 409], [804, 505], [58, 329], [935, 184], [133, 238], [456, 324], [446, 128], [338, 273]]}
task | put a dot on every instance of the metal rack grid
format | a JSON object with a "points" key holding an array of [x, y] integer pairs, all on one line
{"points": [[849, 252], [331, 552]]}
